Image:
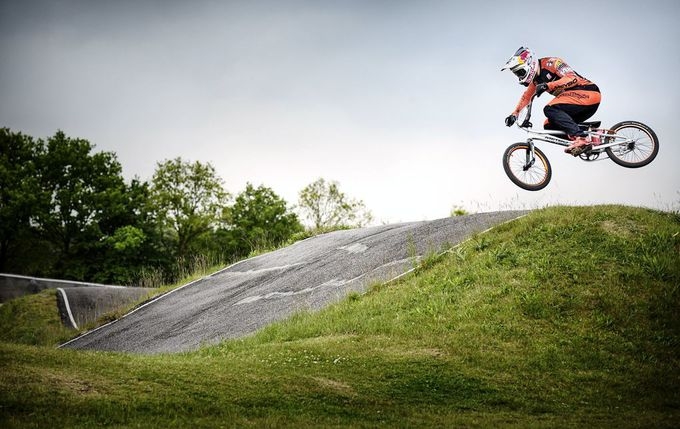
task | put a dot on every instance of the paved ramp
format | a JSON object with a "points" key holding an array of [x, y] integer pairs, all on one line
{"points": [[310, 274]]}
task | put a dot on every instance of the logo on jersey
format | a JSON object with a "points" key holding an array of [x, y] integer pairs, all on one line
{"points": [[563, 68]]}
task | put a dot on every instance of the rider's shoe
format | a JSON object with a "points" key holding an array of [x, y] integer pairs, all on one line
{"points": [[579, 145]]}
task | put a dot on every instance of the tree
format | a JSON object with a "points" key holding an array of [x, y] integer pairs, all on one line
{"points": [[132, 244], [260, 218], [66, 212], [325, 206], [81, 193], [19, 190], [188, 199]]}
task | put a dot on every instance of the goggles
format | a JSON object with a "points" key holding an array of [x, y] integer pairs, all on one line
{"points": [[520, 72]]}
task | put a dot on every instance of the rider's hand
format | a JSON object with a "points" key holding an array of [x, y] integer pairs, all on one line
{"points": [[541, 88], [510, 120]]}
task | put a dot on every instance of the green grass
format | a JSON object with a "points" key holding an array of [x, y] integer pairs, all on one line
{"points": [[33, 319], [567, 317]]}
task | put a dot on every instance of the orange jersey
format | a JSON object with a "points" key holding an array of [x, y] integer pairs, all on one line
{"points": [[559, 77]]}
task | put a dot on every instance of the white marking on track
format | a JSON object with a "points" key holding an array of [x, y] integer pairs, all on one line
{"points": [[68, 307], [354, 248], [274, 295], [266, 269]]}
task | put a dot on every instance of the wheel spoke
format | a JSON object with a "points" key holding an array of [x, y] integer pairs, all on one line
{"points": [[535, 175], [532, 178]]}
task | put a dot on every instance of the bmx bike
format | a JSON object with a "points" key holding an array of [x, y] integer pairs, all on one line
{"points": [[630, 144]]}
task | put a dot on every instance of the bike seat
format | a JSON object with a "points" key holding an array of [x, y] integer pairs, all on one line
{"points": [[593, 124]]}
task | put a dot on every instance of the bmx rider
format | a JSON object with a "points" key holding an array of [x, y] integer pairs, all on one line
{"points": [[576, 98]]}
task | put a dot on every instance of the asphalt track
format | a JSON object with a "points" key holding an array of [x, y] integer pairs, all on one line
{"points": [[308, 275]]}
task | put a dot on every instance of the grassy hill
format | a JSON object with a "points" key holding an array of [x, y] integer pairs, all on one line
{"points": [[568, 317]]}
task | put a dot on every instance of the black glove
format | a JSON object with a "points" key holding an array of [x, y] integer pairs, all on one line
{"points": [[510, 120], [541, 88]]}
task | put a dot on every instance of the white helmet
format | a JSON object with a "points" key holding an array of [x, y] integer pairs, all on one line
{"points": [[524, 65]]}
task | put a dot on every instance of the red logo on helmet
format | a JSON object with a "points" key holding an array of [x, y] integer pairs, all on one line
{"points": [[524, 56]]}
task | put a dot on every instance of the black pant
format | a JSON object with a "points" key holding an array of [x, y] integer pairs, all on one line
{"points": [[565, 117]]}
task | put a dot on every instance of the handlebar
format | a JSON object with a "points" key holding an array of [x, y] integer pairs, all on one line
{"points": [[527, 121]]}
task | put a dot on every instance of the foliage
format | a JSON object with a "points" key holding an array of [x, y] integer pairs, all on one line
{"points": [[81, 194], [259, 219], [458, 211], [188, 199], [126, 238], [59, 199], [325, 206], [132, 246], [18, 190], [64, 210]]}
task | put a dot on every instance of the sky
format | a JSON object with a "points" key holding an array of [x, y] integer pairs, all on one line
{"points": [[401, 102]]}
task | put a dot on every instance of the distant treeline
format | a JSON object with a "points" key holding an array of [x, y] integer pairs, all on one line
{"points": [[66, 212]]}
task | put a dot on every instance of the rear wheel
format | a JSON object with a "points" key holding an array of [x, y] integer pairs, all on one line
{"points": [[525, 171], [640, 151]]}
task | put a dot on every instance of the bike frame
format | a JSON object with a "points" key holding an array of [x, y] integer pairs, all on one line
{"points": [[630, 144], [551, 136]]}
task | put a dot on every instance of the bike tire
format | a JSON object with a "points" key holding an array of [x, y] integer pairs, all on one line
{"points": [[639, 153], [534, 178]]}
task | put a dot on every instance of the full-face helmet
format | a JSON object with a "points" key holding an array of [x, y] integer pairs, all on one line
{"points": [[524, 65]]}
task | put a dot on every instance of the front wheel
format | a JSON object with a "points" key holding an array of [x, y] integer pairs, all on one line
{"points": [[529, 172], [641, 149]]}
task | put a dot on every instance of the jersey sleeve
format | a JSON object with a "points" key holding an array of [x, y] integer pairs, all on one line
{"points": [[526, 97]]}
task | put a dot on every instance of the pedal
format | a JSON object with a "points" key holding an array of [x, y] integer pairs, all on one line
{"points": [[579, 150]]}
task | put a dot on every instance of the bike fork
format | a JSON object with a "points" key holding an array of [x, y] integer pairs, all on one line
{"points": [[530, 160]]}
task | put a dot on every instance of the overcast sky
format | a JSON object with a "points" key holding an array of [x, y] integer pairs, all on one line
{"points": [[401, 102]]}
